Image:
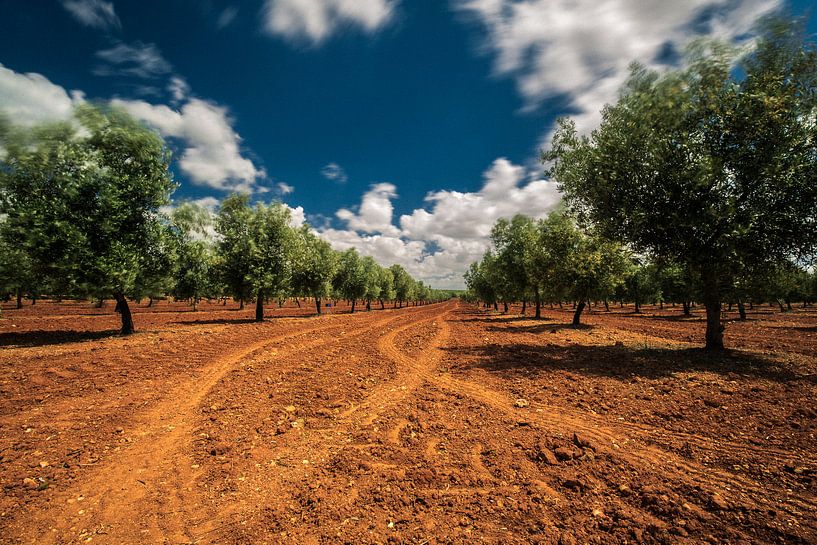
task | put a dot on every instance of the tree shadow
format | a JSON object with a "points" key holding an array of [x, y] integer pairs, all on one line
{"points": [[617, 362], [28, 339]]}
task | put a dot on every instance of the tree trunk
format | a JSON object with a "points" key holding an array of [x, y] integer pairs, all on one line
{"points": [[19, 298], [712, 303], [780, 304], [150, 302], [606, 306], [561, 307], [124, 312], [318, 305], [741, 310], [637, 306], [259, 306], [382, 305], [788, 304], [577, 316], [195, 304], [495, 306], [298, 302], [354, 302], [686, 308], [537, 301], [241, 304], [505, 307], [524, 306], [368, 305], [751, 305]]}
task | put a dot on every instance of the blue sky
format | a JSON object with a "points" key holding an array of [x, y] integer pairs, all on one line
{"points": [[402, 128]]}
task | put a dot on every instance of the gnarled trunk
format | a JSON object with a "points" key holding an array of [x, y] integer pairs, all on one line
{"points": [[741, 310], [318, 305], [354, 302], [124, 311], [19, 298], [524, 306], [259, 306], [577, 316], [712, 303]]}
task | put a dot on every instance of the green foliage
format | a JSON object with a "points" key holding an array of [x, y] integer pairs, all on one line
{"points": [[194, 253], [233, 255], [704, 169], [314, 265], [83, 206], [350, 280]]}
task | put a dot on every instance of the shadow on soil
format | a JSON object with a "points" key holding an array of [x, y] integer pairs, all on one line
{"points": [[30, 339], [618, 362]]}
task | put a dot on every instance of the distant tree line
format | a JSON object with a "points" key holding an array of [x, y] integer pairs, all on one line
{"points": [[81, 215], [700, 184]]}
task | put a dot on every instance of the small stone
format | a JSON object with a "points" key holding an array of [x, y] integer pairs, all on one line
{"points": [[624, 490], [298, 424], [43, 464], [547, 456], [582, 441], [598, 513], [30, 483], [564, 453], [521, 403], [718, 502], [290, 408], [120, 430]]}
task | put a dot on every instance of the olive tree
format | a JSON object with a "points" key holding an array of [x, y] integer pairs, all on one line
{"points": [[83, 205], [709, 166]]}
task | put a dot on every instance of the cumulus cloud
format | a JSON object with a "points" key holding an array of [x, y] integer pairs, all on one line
{"points": [[93, 13], [28, 99], [437, 244], [284, 188], [134, 60], [581, 49], [212, 154], [375, 211], [335, 173], [314, 21]]}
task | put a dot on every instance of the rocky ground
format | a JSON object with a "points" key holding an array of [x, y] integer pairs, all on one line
{"points": [[437, 424]]}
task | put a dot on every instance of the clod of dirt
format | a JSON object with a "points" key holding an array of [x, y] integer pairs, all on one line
{"points": [[582, 441], [624, 490], [564, 453], [521, 403], [717, 502], [290, 408], [298, 424], [30, 483], [546, 455]]}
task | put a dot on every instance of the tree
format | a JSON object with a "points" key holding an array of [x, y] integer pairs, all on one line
{"points": [[402, 283], [386, 283], [710, 167], [83, 206], [234, 247], [193, 252], [350, 280], [372, 280], [315, 264], [514, 242], [270, 252]]}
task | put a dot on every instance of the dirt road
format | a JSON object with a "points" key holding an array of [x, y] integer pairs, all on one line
{"points": [[433, 424]]}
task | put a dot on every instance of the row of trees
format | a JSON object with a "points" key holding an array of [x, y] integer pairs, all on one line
{"points": [[81, 216], [553, 260], [711, 168]]}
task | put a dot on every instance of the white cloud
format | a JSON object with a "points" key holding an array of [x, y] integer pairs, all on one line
{"points": [[93, 13], [226, 17], [375, 212], [28, 99], [179, 89], [314, 21], [581, 49], [284, 188], [297, 217], [136, 60], [335, 173], [212, 154], [438, 244]]}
